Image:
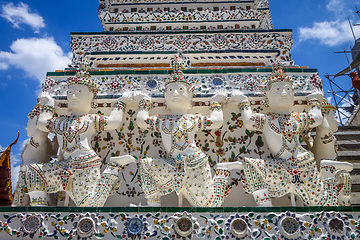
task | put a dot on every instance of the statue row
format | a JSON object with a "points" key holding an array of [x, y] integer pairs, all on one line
{"points": [[290, 170]]}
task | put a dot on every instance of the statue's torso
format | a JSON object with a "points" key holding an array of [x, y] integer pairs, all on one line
{"points": [[74, 135], [282, 133], [178, 133]]}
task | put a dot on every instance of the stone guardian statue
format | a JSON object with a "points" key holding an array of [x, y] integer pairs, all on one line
{"points": [[291, 168], [78, 174]]}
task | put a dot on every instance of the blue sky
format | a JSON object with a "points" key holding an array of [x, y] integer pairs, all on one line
{"points": [[35, 37]]}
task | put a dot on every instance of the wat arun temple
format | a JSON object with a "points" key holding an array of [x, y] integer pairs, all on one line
{"points": [[182, 120]]}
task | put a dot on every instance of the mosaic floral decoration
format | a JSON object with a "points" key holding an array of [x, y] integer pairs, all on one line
{"points": [[182, 225], [185, 42]]}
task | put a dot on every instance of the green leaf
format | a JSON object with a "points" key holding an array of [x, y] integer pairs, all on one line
{"points": [[157, 214], [111, 214], [220, 221], [6, 216], [221, 231]]}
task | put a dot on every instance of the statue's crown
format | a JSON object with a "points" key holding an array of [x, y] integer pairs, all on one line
{"points": [[278, 75], [177, 75], [35, 112], [83, 77]]}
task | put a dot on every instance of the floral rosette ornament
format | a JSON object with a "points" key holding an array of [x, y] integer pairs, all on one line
{"points": [[184, 225], [251, 83], [219, 42], [136, 227], [182, 43], [239, 226], [336, 226], [32, 225], [146, 43], [256, 41], [115, 84], [288, 225], [85, 226], [110, 43]]}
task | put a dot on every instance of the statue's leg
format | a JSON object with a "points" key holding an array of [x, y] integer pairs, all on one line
{"points": [[220, 182], [156, 179], [262, 198], [328, 169], [106, 185], [38, 198], [255, 184], [36, 185], [344, 182], [329, 192], [337, 165], [154, 200], [219, 186]]}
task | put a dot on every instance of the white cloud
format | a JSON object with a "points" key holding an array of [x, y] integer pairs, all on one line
{"points": [[36, 56], [329, 33], [335, 5], [20, 14], [336, 31], [3, 66]]}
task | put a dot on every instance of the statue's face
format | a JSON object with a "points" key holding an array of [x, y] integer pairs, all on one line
{"points": [[332, 120], [79, 99], [177, 97], [281, 97]]}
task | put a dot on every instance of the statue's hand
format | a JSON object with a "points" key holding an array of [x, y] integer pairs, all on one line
{"points": [[237, 97], [137, 96], [46, 99], [317, 94], [220, 96]]}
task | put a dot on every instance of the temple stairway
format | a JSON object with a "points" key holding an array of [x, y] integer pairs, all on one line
{"points": [[349, 150]]}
